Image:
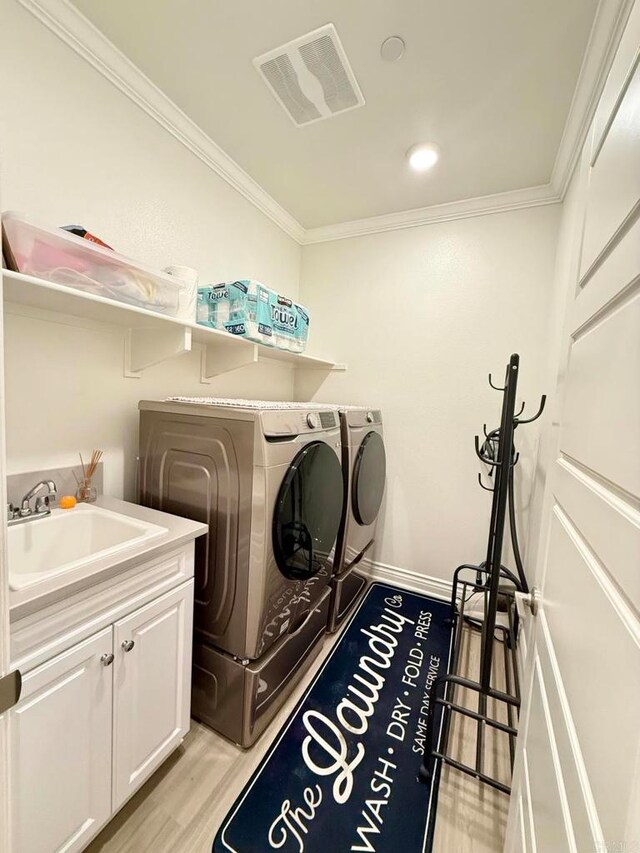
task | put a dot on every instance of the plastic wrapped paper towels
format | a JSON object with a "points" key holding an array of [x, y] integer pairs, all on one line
{"points": [[249, 309]]}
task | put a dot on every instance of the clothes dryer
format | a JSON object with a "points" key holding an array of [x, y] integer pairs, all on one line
{"points": [[364, 475], [267, 480]]}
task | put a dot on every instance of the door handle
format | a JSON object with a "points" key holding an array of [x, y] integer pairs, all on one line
{"points": [[127, 645], [528, 601], [10, 689], [107, 660]]}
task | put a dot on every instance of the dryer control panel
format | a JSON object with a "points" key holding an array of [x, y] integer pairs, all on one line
{"points": [[291, 422]]}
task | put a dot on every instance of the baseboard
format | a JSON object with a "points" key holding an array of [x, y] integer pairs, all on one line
{"points": [[406, 579]]}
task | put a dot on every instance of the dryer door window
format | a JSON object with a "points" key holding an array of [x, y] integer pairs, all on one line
{"points": [[307, 512], [369, 472]]}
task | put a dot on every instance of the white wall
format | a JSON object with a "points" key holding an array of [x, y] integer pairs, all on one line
{"points": [[421, 316], [73, 149]]}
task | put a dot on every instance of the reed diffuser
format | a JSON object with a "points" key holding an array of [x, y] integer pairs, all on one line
{"points": [[86, 492]]}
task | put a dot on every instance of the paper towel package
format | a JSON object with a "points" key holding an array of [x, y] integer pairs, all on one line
{"points": [[241, 308], [213, 307], [251, 310], [284, 319], [302, 330], [290, 323], [264, 298]]}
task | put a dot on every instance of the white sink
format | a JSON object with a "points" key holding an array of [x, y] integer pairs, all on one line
{"points": [[68, 539]]}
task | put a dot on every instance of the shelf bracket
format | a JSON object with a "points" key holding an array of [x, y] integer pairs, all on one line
{"points": [[146, 347], [218, 359]]}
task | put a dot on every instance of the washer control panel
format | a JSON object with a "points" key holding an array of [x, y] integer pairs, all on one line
{"points": [[277, 423]]}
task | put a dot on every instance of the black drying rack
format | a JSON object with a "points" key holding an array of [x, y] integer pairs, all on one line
{"points": [[497, 586]]}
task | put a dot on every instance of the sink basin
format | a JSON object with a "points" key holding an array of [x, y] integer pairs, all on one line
{"points": [[68, 539]]}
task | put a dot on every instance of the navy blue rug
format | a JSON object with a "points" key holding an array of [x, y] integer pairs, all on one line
{"points": [[342, 773]]}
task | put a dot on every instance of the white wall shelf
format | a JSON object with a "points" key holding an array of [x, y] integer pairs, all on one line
{"points": [[152, 337]]}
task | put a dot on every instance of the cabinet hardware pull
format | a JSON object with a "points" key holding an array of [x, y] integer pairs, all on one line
{"points": [[10, 689], [107, 660], [127, 645]]}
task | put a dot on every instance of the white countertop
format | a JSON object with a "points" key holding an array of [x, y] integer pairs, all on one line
{"points": [[179, 531]]}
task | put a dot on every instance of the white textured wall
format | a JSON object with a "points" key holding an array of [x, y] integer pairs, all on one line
{"points": [[421, 316], [73, 149]]}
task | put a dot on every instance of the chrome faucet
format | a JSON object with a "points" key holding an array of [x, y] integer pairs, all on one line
{"points": [[42, 507]]}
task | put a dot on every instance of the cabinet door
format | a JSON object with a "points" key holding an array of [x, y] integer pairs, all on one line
{"points": [[152, 696], [60, 743]]}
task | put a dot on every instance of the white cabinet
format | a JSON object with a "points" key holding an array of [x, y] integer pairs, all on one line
{"points": [[152, 687], [94, 722], [60, 743]]}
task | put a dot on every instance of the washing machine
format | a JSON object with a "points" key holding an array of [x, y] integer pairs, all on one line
{"points": [[364, 468], [267, 480]]}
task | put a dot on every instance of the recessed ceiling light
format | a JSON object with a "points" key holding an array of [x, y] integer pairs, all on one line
{"points": [[392, 49], [423, 157]]}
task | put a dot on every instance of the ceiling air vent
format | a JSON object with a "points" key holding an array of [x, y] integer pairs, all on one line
{"points": [[311, 76]]}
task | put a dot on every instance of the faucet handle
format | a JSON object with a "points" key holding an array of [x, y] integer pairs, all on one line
{"points": [[52, 490], [12, 511], [42, 504]]}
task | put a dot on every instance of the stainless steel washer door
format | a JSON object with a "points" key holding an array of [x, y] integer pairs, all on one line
{"points": [[307, 512]]}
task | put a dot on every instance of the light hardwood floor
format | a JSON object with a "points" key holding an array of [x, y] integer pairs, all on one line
{"points": [[471, 817], [181, 807]]}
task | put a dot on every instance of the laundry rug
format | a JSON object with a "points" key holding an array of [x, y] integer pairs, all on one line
{"points": [[342, 774]]}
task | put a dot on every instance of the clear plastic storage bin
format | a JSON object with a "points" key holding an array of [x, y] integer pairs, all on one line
{"points": [[63, 258]]}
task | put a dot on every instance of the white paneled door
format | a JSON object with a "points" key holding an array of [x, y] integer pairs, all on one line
{"points": [[577, 775]]}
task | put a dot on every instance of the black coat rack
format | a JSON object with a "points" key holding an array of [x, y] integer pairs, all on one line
{"points": [[496, 584]]}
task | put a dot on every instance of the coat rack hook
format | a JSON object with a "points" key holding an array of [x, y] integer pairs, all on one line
{"points": [[486, 488], [480, 456], [495, 386], [543, 401], [521, 410]]}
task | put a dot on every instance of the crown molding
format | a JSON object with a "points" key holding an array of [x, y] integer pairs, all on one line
{"points": [[75, 30], [606, 32], [71, 26], [464, 209]]}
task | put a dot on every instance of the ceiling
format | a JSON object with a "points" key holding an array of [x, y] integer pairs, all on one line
{"points": [[489, 82]]}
